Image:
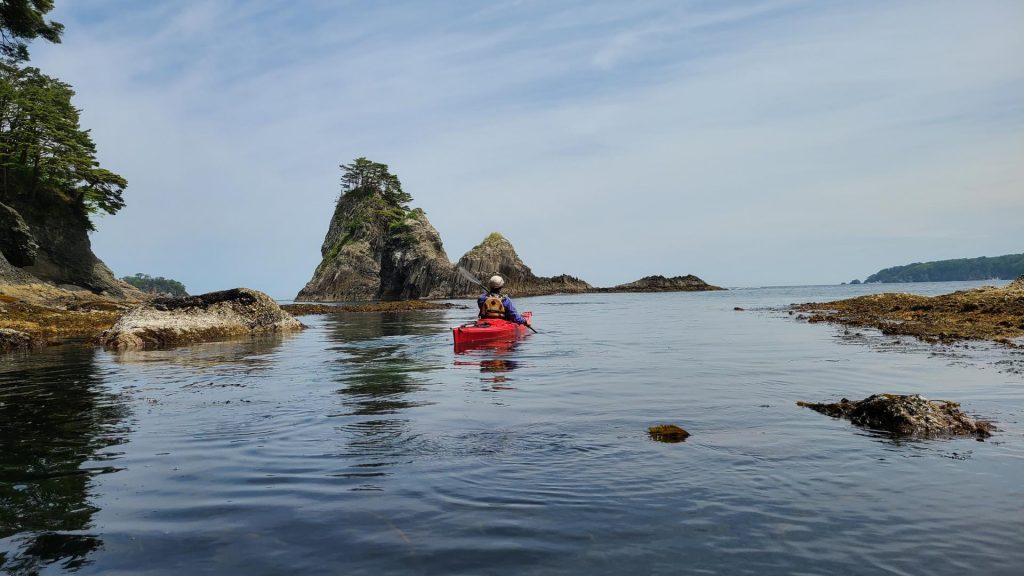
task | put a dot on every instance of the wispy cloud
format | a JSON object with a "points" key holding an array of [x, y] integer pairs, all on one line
{"points": [[778, 142]]}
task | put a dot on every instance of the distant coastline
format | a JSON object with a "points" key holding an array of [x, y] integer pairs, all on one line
{"points": [[1005, 267]]}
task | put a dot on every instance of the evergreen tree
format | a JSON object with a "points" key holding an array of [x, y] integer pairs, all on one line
{"points": [[372, 177], [22, 20], [43, 150]]}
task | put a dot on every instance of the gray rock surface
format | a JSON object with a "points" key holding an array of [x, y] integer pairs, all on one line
{"points": [[17, 244], [213, 316]]}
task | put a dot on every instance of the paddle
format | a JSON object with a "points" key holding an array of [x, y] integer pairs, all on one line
{"points": [[469, 276]]}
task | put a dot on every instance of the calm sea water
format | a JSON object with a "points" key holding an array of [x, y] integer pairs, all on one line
{"points": [[365, 445]]}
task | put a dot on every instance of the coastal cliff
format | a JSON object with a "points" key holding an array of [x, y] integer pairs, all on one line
{"points": [[49, 240]]}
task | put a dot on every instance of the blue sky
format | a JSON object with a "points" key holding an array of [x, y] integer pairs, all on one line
{"points": [[753, 143]]}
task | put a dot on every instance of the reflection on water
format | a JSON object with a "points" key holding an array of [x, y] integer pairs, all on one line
{"points": [[365, 445], [378, 376], [493, 358], [251, 352], [57, 429]]}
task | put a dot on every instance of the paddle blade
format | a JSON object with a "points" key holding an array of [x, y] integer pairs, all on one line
{"points": [[469, 276]]}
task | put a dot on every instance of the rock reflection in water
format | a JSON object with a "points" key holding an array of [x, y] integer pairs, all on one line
{"points": [[56, 422], [252, 353], [379, 376]]}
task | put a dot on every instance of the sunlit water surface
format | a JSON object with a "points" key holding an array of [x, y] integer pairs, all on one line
{"points": [[365, 445]]}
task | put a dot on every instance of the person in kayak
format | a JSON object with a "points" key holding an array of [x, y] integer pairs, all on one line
{"points": [[494, 304]]}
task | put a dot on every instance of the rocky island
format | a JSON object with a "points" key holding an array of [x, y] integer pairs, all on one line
{"points": [[377, 248]]}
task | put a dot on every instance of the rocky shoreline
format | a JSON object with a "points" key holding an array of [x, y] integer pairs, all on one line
{"points": [[987, 313], [36, 315]]}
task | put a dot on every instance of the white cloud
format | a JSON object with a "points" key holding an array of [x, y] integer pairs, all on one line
{"points": [[780, 143]]}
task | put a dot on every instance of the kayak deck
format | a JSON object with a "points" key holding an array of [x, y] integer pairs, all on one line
{"points": [[489, 330]]}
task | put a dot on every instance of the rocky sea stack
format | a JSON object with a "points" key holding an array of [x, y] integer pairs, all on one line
{"points": [[377, 248], [495, 255]]}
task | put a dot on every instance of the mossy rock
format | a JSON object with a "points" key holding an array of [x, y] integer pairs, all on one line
{"points": [[668, 433]]}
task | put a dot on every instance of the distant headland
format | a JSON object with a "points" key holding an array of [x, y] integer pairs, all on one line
{"points": [[1005, 267]]}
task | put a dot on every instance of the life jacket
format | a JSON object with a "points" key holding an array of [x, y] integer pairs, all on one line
{"points": [[493, 307]]}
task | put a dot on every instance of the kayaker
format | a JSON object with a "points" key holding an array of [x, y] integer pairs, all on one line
{"points": [[493, 304]]}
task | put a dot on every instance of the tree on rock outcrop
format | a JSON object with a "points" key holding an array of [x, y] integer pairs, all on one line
{"points": [[366, 176]]}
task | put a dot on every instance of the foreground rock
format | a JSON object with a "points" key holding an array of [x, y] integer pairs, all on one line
{"points": [[911, 416], [47, 314], [688, 283], [986, 313], [213, 316]]}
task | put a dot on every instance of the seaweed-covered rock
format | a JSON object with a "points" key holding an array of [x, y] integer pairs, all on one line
{"points": [[909, 415], [11, 340], [213, 316], [668, 433], [985, 313]]}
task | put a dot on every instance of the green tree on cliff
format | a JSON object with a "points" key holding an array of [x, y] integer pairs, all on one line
{"points": [[45, 155], [23, 20], [43, 150], [373, 177]]}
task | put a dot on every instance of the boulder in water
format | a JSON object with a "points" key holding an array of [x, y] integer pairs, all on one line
{"points": [[217, 315], [910, 415]]}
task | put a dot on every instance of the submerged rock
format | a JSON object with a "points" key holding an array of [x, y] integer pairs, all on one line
{"points": [[910, 415], [668, 433], [174, 321]]}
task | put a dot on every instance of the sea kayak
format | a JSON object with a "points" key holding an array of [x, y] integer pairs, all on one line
{"points": [[489, 330]]}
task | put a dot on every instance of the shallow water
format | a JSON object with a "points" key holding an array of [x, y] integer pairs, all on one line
{"points": [[365, 445]]}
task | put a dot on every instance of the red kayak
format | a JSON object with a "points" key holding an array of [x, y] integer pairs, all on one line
{"points": [[489, 330]]}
